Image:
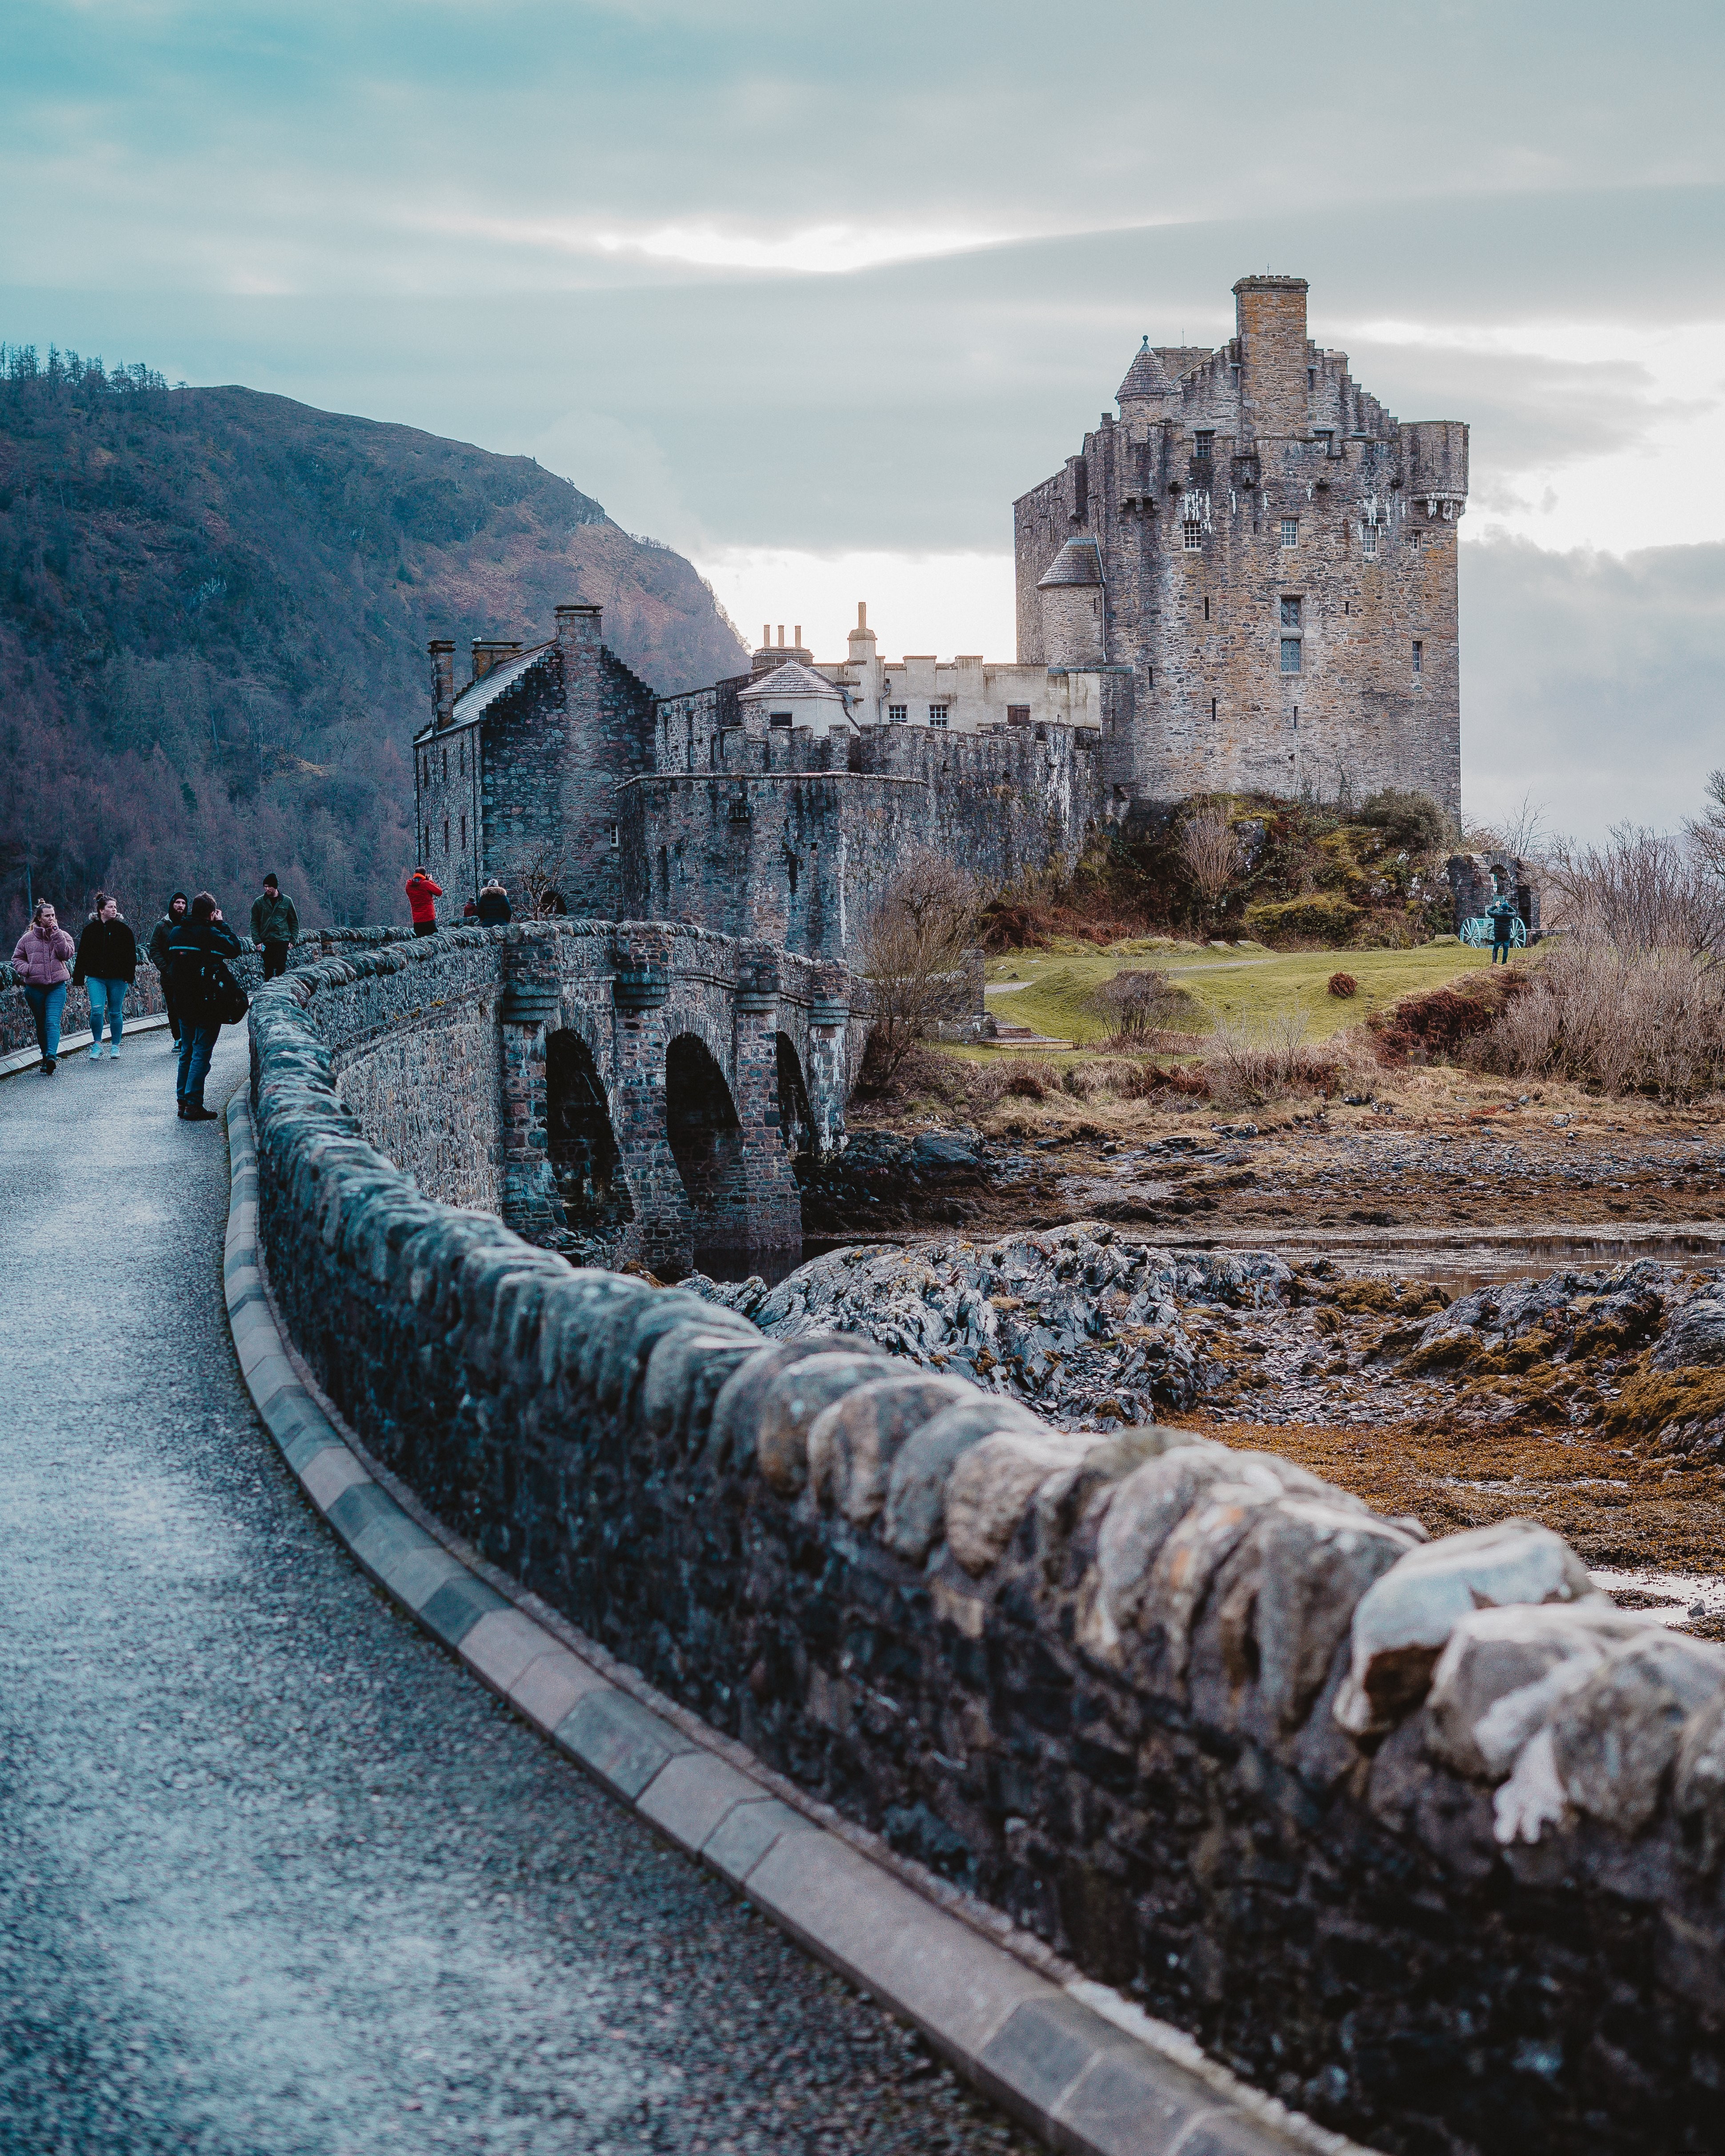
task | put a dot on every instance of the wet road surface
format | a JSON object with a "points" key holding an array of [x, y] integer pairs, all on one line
{"points": [[276, 1875]]}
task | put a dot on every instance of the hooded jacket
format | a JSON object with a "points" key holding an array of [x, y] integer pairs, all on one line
{"points": [[39, 958], [190, 952], [107, 951], [423, 894], [163, 934]]}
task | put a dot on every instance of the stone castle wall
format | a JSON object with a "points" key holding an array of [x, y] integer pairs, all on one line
{"points": [[795, 838], [1216, 459], [1426, 1838]]}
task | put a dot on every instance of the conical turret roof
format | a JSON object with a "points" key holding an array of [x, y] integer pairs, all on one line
{"points": [[1079, 561], [1146, 376]]}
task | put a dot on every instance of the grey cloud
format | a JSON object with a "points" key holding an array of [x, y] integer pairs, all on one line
{"points": [[1592, 682]]}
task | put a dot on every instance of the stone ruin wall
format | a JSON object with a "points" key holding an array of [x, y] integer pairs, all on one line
{"points": [[795, 840], [1424, 1837]]}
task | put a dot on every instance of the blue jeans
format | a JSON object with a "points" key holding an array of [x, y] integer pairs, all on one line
{"points": [[46, 1005], [113, 994], [197, 1044], [1499, 954]]}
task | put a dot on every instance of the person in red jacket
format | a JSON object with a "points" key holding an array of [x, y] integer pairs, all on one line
{"points": [[423, 894]]}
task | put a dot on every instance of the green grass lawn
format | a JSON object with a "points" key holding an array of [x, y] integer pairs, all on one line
{"points": [[1251, 984]]}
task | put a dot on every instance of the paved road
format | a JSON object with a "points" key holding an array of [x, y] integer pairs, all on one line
{"points": [[276, 1875]]}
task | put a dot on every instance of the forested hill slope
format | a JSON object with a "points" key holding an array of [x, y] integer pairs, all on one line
{"points": [[214, 606]]}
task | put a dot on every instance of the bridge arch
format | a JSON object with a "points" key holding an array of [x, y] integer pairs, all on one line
{"points": [[581, 1140], [796, 1117], [704, 1134]]}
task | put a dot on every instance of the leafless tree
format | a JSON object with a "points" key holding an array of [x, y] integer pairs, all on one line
{"points": [[1209, 847], [1642, 891], [1706, 833], [914, 946], [1140, 1003], [540, 886]]}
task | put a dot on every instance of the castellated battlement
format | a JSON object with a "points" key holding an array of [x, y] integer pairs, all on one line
{"points": [[1269, 558]]}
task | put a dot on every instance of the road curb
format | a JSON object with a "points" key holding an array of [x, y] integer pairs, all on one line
{"points": [[1079, 2065]]}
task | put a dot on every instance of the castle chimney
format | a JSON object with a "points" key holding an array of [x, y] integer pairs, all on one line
{"points": [[1269, 319], [443, 679], [781, 636], [862, 614], [492, 651], [765, 632], [798, 638]]}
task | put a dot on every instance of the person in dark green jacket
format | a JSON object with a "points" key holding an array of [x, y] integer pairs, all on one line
{"points": [[274, 926]]}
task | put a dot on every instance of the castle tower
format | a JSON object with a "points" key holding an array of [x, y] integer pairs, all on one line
{"points": [[1261, 560]]}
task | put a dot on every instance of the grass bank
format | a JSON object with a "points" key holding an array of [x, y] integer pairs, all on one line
{"points": [[1239, 981]]}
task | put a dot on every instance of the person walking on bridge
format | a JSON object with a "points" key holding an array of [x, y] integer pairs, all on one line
{"points": [[107, 966], [275, 927], [493, 908], [423, 894], [204, 990], [39, 963], [162, 935]]}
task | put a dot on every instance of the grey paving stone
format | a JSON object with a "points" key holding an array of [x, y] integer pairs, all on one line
{"points": [[1226, 2132], [743, 1837], [624, 1743], [928, 1965], [546, 1690], [692, 1796], [457, 1606], [1129, 2102], [356, 1508], [501, 1646]]}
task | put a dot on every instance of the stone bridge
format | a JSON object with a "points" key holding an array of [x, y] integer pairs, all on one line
{"points": [[645, 1088]]}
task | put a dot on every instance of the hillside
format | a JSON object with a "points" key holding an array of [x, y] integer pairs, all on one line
{"points": [[214, 606]]}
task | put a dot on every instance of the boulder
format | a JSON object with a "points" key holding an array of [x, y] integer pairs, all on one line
{"points": [[1291, 1592], [1695, 1339], [1698, 1788], [1405, 1619], [852, 1444], [736, 1410], [1144, 1510], [994, 1484], [795, 1397], [1504, 1671], [1614, 1737], [913, 1519]]}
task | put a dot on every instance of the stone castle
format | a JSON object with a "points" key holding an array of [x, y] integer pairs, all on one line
{"points": [[1246, 583]]}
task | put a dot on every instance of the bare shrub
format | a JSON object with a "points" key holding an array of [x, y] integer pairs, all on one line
{"points": [[914, 944], [1643, 891], [1029, 1081], [1622, 1019], [1343, 985], [1084, 1081], [1255, 1063], [1140, 1003], [1210, 850], [1143, 1081]]}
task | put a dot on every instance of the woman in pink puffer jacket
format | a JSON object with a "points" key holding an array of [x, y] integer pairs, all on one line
{"points": [[39, 961]]}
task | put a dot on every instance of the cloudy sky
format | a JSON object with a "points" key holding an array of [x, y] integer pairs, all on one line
{"points": [[813, 292]]}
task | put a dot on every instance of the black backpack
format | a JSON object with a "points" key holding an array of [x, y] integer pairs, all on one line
{"points": [[223, 998]]}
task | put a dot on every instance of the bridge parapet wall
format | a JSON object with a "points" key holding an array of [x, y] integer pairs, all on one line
{"points": [[1445, 1874]]}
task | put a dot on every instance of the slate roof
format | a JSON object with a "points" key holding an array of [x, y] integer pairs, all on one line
{"points": [[792, 679], [1077, 562], [475, 697], [1147, 376]]}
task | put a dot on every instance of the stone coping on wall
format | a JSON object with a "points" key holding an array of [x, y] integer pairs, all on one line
{"points": [[1072, 2059], [1425, 1836]]}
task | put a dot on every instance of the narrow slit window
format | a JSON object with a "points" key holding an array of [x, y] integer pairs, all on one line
{"points": [[446, 834], [463, 835], [1419, 659], [1206, 610], [616, 837], [1212, 707]]}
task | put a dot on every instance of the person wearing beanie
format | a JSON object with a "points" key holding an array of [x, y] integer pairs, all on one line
{"points": [[275, 927]]}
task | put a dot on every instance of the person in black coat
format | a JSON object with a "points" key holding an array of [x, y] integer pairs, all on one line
{"points": [[493, 906], [107, 965], [171, 921], [198, 955]]}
